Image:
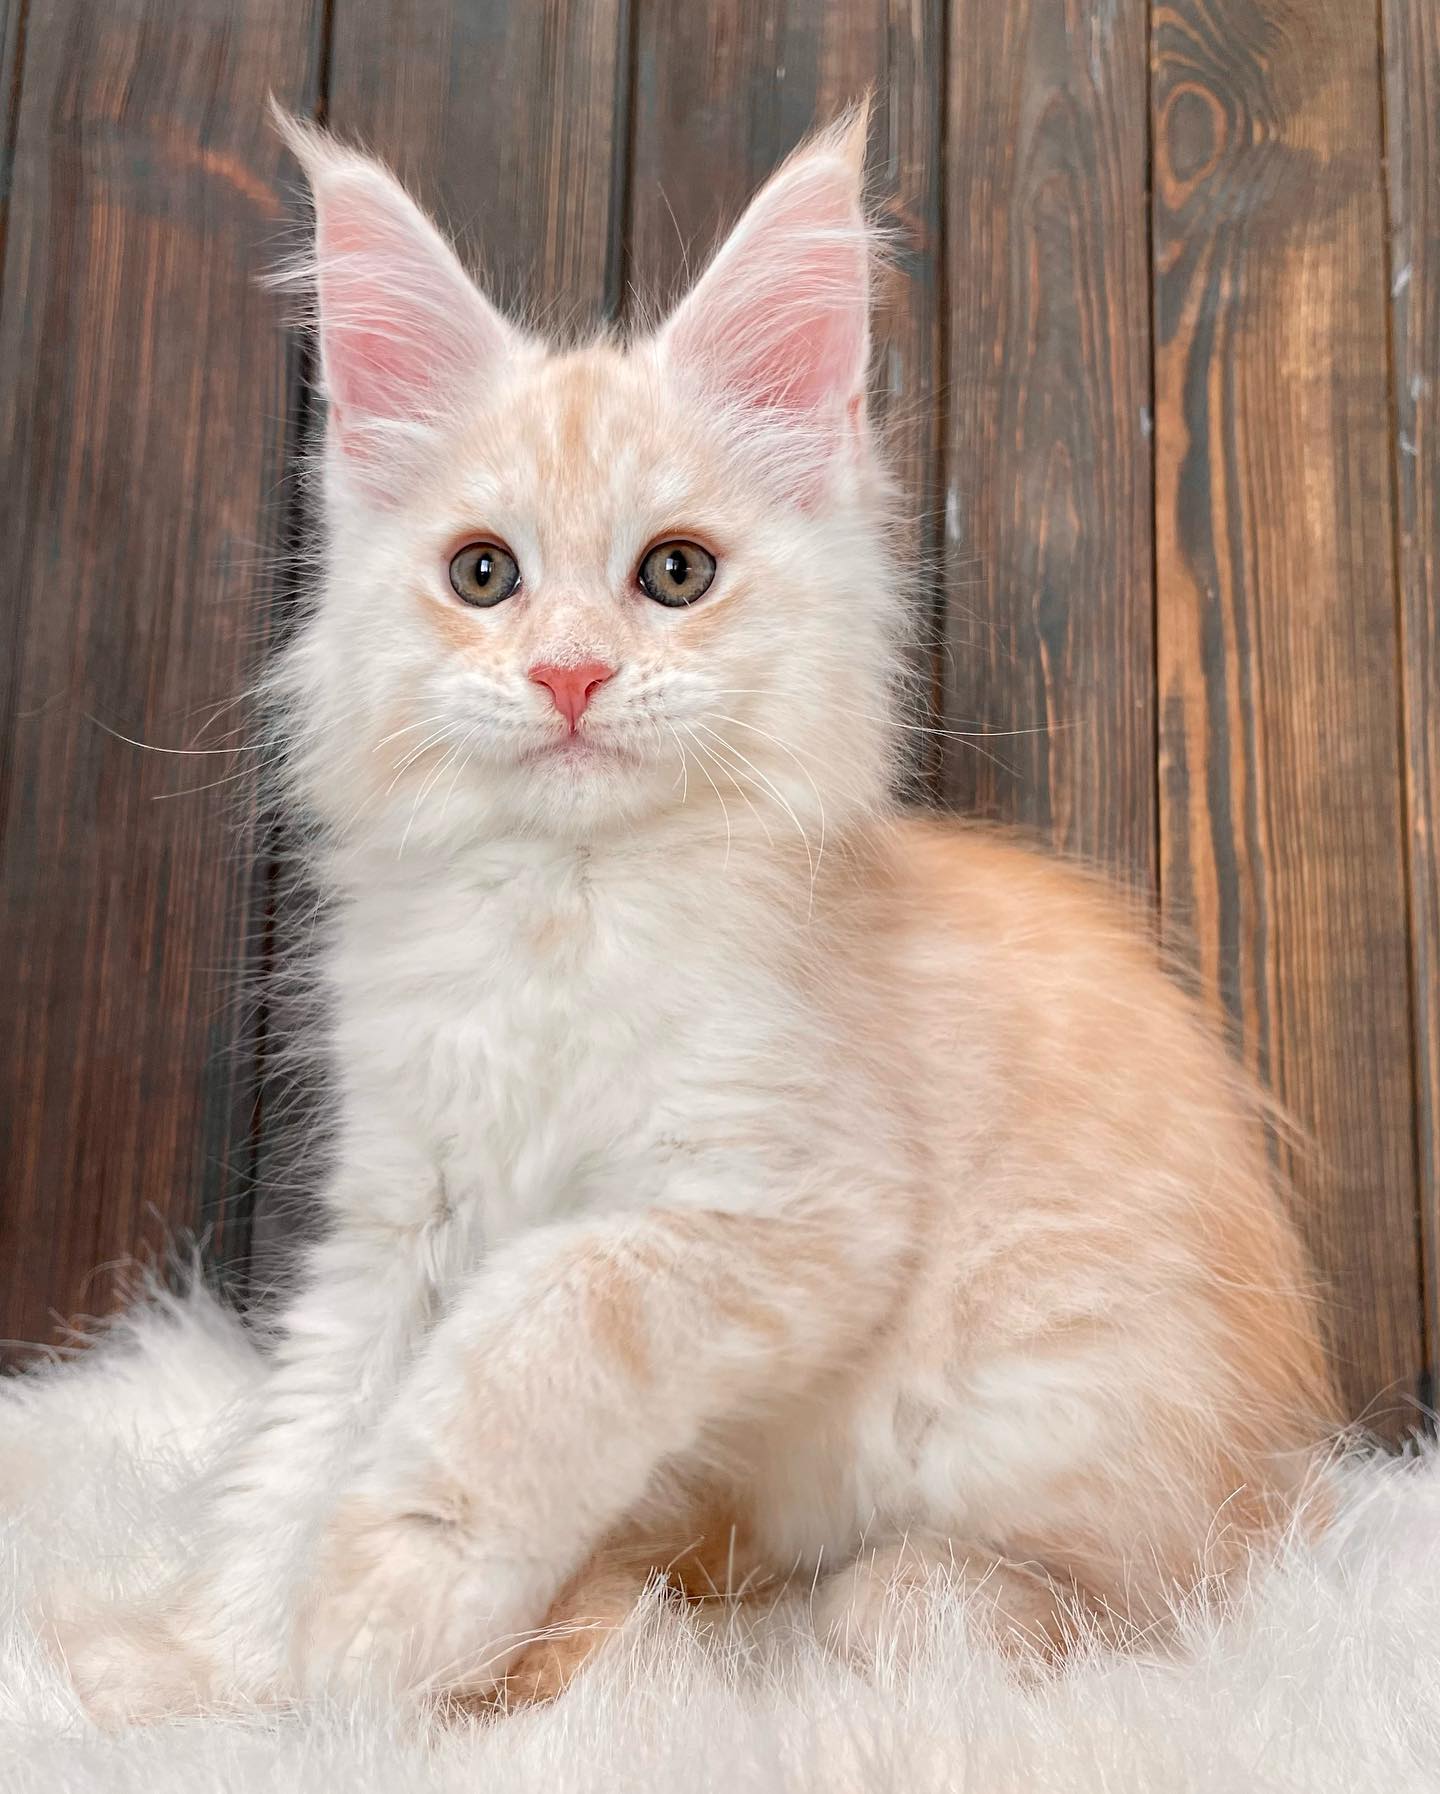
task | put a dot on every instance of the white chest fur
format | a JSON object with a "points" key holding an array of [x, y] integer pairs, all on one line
{"points": [[544, 1029]]}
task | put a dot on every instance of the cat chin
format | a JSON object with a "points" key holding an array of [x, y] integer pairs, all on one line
{"points": [[579, 804], [564, 797]]}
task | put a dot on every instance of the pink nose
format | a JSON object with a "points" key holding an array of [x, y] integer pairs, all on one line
{"points": [[572, 687]]}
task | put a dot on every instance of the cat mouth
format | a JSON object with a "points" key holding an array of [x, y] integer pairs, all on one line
{"points": [[579, 749]]}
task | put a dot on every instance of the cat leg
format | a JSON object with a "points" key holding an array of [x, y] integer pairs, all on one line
{"points": [[585, 1615], [580, 1360], [703, 1554], [220, 1629], [872, 1609], [875, 1608]]}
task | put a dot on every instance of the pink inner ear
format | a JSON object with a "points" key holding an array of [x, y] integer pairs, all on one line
{"points": [[401, 325], [780, 319], [375, 367]]}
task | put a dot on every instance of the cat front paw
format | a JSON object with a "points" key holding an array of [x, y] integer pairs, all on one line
{"points": [[132, 1663], [407, 1601]]}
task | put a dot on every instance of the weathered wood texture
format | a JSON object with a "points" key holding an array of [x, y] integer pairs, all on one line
{"points": [[510, 120], [1177, 527], [142, 380], [1283, 845], [1048, 462], [1412, 93], [12, 34]]}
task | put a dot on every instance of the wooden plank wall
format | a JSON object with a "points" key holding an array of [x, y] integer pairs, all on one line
{"points": [[1411, 47], [144, 392], [1281, 814], [1160, 371]]}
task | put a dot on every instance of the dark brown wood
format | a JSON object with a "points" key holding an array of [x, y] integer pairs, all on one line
{"points": [[723, 93], [1048, 470], [142, 405], [509, 120], [12, 35], [1412, 109], [1281, 819]]}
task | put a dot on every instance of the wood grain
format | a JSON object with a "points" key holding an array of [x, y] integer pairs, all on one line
{"points": [[512, 121], [143, 391], [1048, 462], [1281, 821], [1412, 110], [12, 37], [723, 93]]}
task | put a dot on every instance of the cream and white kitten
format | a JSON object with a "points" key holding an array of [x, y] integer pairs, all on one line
{"points": [[734, 1174]]}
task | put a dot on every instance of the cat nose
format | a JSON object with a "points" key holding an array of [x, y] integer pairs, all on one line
{"points": [[572, 687]]}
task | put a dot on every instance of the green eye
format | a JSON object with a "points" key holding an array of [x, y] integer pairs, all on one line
{"points": [[676, 573], [484, 573]]}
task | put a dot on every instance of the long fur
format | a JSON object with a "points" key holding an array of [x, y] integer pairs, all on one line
{"points": [[731, 1173], [1321, 1681]]}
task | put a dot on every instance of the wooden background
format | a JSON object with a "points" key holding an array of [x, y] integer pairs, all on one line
{"points": [[1163, 376]]}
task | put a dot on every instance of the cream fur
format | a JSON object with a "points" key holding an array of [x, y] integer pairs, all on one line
{"points": [[718, 1149], [1323, 1682]]}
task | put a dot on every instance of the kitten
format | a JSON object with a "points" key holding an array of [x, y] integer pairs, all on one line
{"points": [[734, 1173]]}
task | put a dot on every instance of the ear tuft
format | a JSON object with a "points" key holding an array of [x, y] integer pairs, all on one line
{"points": [[779, 322], [403, 330]]}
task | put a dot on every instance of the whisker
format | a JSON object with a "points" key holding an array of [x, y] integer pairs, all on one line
{"points": [[246, 772], [469, 742], [745, 795], [684, 763], [217, 710], [423, 793], [719, 799], [813, 856], [970, 741], [736, 691], [408, 729], [150, 747], [794, 753], [408, 760]]}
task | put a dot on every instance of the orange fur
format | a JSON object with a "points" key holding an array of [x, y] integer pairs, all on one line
{"points": [[705, 1552]]}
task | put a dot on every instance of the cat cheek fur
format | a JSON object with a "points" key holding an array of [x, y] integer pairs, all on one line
{"points": [[720, 1152], [408, 720]]}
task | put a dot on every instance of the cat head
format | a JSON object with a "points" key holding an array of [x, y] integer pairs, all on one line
{"points": [[577, 591]]}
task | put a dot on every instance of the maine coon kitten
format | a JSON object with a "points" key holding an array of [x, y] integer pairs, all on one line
{"points": [[733, 1173]]}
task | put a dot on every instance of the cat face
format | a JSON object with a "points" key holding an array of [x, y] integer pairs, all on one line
{"points": [[570, 592]]}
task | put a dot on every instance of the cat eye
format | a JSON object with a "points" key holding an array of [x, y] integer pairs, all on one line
{"points": [[676, 573], [484, 573]]}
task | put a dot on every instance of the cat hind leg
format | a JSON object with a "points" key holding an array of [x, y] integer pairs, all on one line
{"points": [[878, 1609]]}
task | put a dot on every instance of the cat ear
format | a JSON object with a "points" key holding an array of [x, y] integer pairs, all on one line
{"points": [[403, 329], [779, 323]]}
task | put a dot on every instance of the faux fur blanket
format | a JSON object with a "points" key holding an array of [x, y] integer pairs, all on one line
{"points": [[1327, 1679]]}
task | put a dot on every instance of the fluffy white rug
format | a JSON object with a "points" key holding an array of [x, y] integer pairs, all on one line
{"points": [[1328, 1680]]}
